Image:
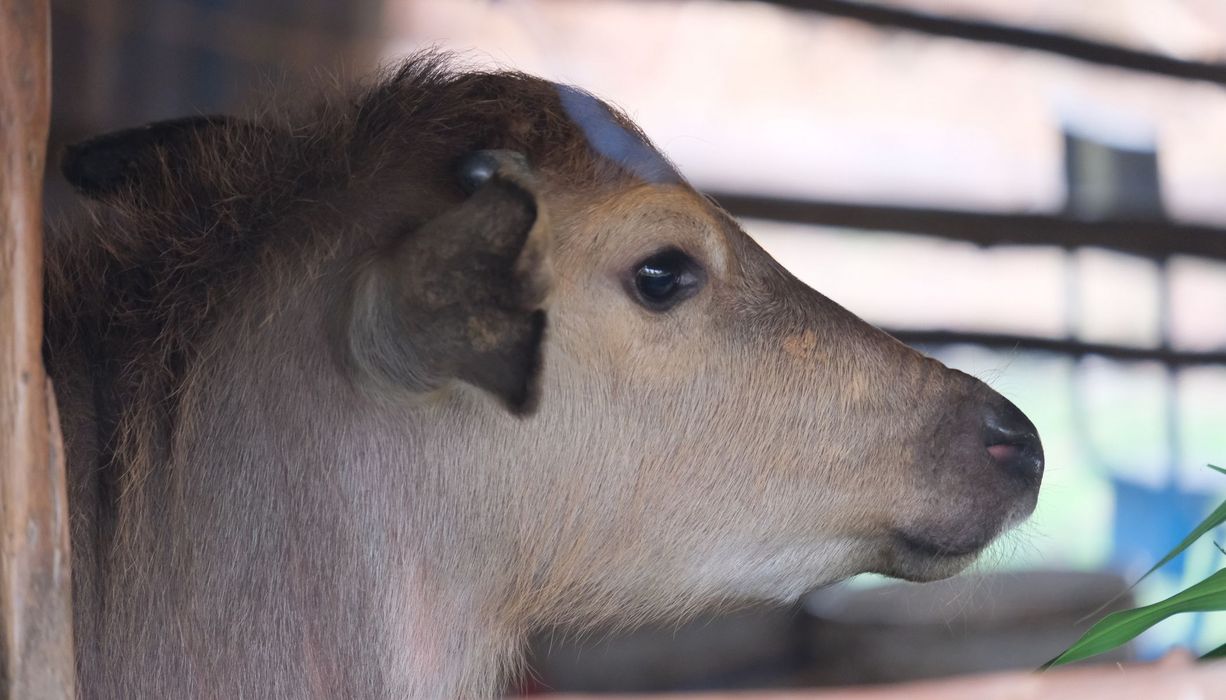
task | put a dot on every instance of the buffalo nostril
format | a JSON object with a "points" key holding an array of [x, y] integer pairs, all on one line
{"points": [[1013, 442], [1004, 452]]}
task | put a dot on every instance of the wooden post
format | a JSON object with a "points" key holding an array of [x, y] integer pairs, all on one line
{"points": [[35, 595]]}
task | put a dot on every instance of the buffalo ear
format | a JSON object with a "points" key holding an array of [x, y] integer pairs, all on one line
{"points": [[463, 296], [111, 163]]}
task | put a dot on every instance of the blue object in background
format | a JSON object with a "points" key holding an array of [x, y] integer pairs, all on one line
{"points": [[1148, 523]]}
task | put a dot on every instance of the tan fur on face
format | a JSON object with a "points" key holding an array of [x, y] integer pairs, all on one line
{"points": [[256, 513]]}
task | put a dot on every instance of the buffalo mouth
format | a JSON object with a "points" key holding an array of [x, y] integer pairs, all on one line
{"points": [[927, 547], [927, 556]]}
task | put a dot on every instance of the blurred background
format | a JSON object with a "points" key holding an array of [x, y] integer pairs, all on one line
{"points": [[1033, 191]]}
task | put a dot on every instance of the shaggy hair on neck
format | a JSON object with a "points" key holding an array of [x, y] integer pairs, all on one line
{"points": [[228, 207]]}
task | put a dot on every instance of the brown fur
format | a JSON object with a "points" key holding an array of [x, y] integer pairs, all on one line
{"points": [[291, 351], [153, 295]]}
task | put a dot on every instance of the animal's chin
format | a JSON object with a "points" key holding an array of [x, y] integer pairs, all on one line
{"points": [[925, 557], [938, 549]]}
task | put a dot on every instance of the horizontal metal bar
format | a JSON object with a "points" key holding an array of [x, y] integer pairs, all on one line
{"points": [[1073, 348], [1087, 50], [1156, 239]]}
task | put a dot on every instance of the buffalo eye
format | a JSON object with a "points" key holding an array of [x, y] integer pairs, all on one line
{"points": [[666, 279]]}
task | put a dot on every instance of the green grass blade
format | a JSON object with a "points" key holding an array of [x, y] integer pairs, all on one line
{"points": [[1121, 627], [1217, 517], [1218, 653]]}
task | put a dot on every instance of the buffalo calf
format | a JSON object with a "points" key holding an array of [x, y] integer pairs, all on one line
{"points": [[358, 396]]}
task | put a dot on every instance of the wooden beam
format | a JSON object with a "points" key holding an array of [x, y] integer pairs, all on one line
{"points": [[1156, 239], [1061, 346], [1096, 52], [35, 603], [1174, 676]]}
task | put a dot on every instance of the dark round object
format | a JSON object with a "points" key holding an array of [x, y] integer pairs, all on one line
{"points": [[666, 279], [476, 169]]}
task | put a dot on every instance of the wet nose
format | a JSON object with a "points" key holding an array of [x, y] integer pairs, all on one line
{"points": [[1013, 442]]}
